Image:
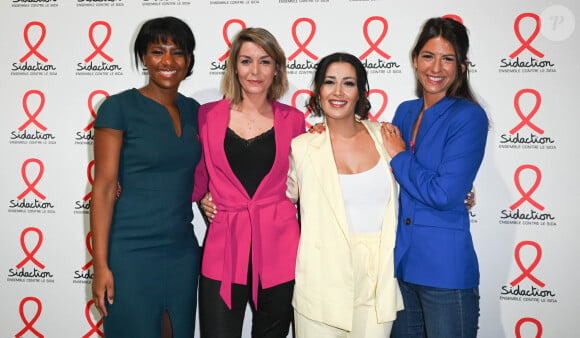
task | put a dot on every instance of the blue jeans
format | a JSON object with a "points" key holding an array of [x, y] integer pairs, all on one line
{"points": [[437, 313]]}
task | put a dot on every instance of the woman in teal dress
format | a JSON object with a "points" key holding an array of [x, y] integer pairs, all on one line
{"points": [[146, 257]]}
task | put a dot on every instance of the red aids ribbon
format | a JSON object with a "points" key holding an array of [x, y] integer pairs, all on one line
{"points": [[308, 111], [529, 320], [374, 46], [227, 39], [90, 176], [34, 49], [91, 109], [526, 44], [94, 327], [30, 254], [526, 120], [31, 186], [375, 118], [28, 325], [454, 17], [32, 117], [99, 48], [302, 46], [528, 272], [527, 195], [90, 249]]}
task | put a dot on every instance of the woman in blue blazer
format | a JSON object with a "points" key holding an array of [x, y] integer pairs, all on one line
{"points": [[437, 143]]}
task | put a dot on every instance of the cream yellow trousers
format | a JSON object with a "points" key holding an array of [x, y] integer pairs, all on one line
{"points": [[365, 249]]}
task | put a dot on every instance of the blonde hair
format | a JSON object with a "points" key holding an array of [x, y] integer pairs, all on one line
{"points": [[231, 85]]}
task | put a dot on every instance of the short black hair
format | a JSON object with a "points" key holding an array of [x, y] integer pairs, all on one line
{"points": [[161, 30]]}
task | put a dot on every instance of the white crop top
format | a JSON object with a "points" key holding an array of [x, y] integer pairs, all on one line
{"points": [[366, 195]]}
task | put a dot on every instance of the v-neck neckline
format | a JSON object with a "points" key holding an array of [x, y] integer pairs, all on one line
{"points": [[276, 156], [168, 113]]}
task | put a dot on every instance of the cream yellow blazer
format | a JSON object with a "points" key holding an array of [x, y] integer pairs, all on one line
{"points": [[324, 289]]}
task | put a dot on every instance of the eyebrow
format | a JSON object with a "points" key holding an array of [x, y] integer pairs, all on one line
{"points": [[164, 46], [261, 57], [429, 52], [344, 78]]}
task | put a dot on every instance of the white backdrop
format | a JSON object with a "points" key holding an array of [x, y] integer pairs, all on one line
{"points": [[61, 58]]}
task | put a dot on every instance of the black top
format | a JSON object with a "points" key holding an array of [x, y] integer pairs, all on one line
{"points": [[252, 159]]}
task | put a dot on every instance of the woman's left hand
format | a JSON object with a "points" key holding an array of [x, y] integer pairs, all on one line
{"points": [[392, 139], [208, 206], [317, 128]]}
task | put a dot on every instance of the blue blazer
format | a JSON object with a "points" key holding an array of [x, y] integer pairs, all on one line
{"points": [[434, 245]]}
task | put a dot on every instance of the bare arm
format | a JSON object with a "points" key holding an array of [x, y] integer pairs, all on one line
{"points": [[107, 149]]}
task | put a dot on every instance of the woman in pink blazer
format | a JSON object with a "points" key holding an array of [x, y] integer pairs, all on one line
{"points": [[250, 248]]}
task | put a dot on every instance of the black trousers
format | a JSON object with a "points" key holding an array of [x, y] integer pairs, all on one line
{"points": [[271, 319]]}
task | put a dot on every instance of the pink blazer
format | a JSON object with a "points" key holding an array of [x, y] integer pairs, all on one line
{"points": [[265, 224]]}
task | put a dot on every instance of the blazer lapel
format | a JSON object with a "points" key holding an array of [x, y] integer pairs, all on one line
{"points": [[378, 140], [324, 167], [282, 138], [430, 117], [391, 209], [217, 123]]}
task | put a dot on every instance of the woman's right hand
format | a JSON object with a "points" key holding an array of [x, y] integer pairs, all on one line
{"points": [[392, 139], [103, 284], [209, 208]]}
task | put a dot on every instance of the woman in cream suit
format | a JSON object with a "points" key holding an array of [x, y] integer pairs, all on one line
{"points": [[345, 284]]}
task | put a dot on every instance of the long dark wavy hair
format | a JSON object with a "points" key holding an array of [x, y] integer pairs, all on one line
{"points": [[362, 106]]}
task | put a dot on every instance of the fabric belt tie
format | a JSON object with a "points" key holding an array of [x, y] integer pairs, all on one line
{"points": [[234, 211]]}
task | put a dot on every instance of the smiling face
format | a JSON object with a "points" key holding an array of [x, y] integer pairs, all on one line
{"points": [[339, 92], [255, 70], [167, 64], [436, 67]]}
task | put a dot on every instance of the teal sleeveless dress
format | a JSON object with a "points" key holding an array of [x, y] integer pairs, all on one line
{"points": [[153, 253]]}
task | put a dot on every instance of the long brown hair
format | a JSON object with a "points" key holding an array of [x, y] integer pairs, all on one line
{"points": [[456, 34]]}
